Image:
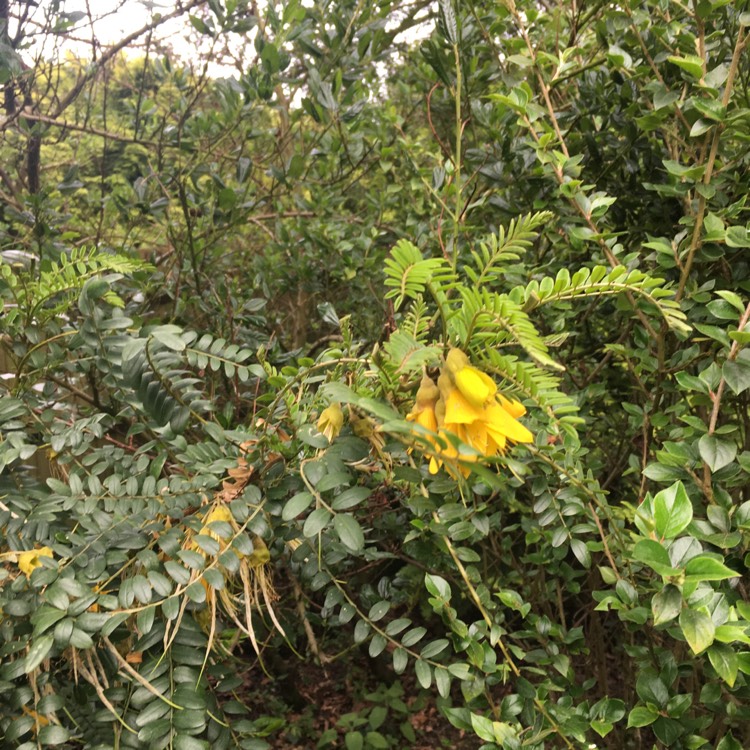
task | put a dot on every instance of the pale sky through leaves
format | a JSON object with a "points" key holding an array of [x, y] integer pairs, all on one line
{"points": [[113, 20]]}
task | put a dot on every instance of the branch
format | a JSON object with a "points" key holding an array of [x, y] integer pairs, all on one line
{"points": [[112, 51]]}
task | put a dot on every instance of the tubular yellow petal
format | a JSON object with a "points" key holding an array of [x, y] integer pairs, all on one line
{"points": [[260, 554], [500, 423], [495, 443], [469, 412], [515, 408], [477, 436], [475, 386], [458, 410], [427, 419]]}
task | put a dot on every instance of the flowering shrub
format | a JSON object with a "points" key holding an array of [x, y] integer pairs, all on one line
{"points": [[522, 494]]}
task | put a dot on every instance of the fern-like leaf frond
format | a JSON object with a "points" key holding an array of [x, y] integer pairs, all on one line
{"points": [[58, 283], [407, 273], [407, 354], [600, 281], [505, 247], [496, 320]]}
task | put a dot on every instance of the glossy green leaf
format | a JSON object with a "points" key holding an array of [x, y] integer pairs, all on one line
{"points": [[666, 604], [706, 568], [349, 531], [673, 511], [698, 629], [724, 660], [715, 452]]}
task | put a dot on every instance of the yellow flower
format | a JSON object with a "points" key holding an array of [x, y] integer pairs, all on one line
{"points": [[476, 386], [29, 561], [467, 406], [450, 455], [501, 423], [331, 421]]}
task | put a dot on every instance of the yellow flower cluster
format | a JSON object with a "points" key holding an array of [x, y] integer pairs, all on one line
{"points": [[465, 404]]}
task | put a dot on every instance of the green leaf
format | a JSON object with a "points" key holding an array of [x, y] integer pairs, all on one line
{"points": [[678, 704], [188, 742], [737, 374], [424, 673], [443, 681], [46, 616], [666, 605], [733, 299], [700, 126], [167, 336], [354, 741], [602, 728], [377, 716], [738, 237], [673, 511], [316, 522], [724, 660], [716, 453], [378, 611], [667, 731], [400, 659], [705, 568], [651, 688], [437, 586], [350, 498], [698, 629], [296, 505], [641, 716], [361, 631], [731, 632], [691, 64], [349, 531], [729, 743], [377, 645], [53, 734], [482, 727], [199, 24], [377, 741], [653, 554], [38, 652], [581, 552]]}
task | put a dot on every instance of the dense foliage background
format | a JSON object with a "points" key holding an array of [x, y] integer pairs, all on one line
{"points": [[199, 257]]}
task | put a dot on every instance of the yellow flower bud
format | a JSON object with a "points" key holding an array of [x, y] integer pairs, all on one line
{"points": [[428, 392], [455, 361], [423, 412]]}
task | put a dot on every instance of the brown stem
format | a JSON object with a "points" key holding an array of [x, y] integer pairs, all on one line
{"points": [[695, 241]]}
